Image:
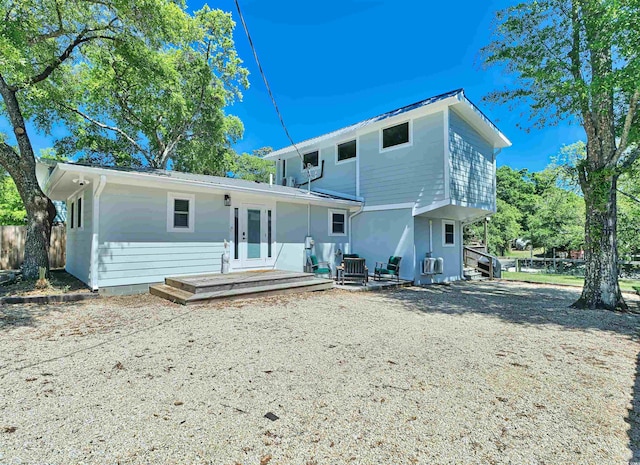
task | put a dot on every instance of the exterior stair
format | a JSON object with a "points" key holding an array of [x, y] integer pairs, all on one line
{"points": [[471, 274], [187, 290]]}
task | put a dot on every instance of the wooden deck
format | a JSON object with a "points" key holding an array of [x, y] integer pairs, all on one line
{"points": [[199, 288]]}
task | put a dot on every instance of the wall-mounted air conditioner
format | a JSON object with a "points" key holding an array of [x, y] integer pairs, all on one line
{"points": [[432, 266], [291, 181]]}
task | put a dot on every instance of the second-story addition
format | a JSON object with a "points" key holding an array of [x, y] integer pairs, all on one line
{"points": [[434, 155]]}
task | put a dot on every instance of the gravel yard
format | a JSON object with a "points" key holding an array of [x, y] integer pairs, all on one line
{"points": [[468, 373]]}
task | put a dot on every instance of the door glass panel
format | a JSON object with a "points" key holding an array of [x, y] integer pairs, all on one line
{"points": [[236, 233], [253, 233], [269, 240]]}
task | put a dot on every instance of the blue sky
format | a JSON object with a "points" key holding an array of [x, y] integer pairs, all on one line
{"points": [[332, 63], [336, 62]]}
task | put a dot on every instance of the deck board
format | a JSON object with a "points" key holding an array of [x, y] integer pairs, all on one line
{"points": [[198, 288]]}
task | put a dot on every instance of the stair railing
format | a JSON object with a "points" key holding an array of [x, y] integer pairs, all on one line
{"points": [[471, 258]]}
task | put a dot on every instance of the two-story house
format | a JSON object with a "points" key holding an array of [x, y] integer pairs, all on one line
{"points": [[422, 172], [403, 183]]}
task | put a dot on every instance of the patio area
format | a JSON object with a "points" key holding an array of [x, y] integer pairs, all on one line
{"points": [[373, 285]]}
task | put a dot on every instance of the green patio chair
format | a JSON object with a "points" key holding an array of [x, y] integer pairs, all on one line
{"points": [[390, 269], [319, 268]]}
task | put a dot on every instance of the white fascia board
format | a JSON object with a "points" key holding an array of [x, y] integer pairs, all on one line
{"points": [[150, 180], [474, 116], [358, 129], [431, 207]]}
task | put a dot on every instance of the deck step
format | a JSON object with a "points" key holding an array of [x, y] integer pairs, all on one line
{"points": [[171, 293], [184, 297], [233, 281]]}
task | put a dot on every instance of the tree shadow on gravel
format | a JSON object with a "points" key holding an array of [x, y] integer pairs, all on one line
{"points": [[18, 315], [532, 306]]}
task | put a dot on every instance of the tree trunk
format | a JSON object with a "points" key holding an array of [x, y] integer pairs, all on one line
{"points": [[22, 168], [601, 288]]}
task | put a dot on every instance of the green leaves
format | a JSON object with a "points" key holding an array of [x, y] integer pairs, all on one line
{"points": [[12, 210], [137, 82]]}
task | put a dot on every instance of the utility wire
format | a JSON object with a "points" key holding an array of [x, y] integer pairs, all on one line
{"points": [[264, 78]]}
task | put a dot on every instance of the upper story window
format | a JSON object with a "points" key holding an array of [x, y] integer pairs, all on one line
{"points": [[311, 158], [448, 233], [347, 151], [396, 135], [337, 223], [284, 169], [72, 216], [180, 212]]}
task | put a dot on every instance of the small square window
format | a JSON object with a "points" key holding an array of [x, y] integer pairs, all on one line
{"points": [[449, 236], [395, 135], [337, 223], [312, 158], [347, 151], [180, 214]]}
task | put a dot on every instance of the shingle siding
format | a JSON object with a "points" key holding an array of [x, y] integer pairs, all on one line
{"points": [[472, 169]]}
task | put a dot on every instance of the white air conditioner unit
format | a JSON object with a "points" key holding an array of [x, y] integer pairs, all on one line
{"points": [[427, 265], [291, 181], [439, 266], [432, 266]]}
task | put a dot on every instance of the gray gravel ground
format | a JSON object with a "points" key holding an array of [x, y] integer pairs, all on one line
{"points": [[469, 373]]}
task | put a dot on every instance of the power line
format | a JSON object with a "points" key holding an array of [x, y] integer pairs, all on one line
{"points": [[264, 78]]}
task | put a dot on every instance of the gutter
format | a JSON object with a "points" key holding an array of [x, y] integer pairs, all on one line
{"points": [[95, 225], [303, 196]]}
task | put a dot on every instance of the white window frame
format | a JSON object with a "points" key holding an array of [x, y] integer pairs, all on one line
{"points": [[191, 198], [71, 213], [348, 160], [309, 152], [399, 146], [444, 233], [330, 218], [80, 214]]}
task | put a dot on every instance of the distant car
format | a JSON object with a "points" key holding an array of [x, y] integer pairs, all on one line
{"points": [[522, 244]]}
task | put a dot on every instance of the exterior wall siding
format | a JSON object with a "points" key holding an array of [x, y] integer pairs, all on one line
{"points": [[472, 169], [339, 178], [291, 230], [79, 240], [135, 246], [379, 234], [452, 255], [413, 173]]}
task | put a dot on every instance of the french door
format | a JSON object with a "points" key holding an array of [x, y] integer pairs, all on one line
{"points": [[254, 238]]}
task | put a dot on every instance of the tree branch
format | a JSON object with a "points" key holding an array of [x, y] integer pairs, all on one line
{"points": [[626, 129], [632, 197], [633, 157], [115, 129], [81, 38]]}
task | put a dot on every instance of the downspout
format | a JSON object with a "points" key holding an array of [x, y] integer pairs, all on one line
{"points": [[350, 218], [95, 224]]}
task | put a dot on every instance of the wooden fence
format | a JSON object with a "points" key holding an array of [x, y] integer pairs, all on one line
{"points": [[12, 239]]}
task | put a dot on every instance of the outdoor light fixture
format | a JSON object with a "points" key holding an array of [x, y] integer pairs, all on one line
{"points": [[227, 200]]}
